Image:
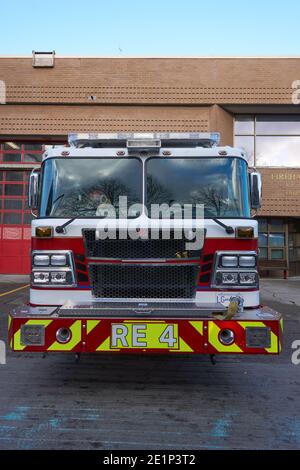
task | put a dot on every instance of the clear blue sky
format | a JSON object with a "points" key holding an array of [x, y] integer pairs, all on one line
{"points": [[150, 27]]}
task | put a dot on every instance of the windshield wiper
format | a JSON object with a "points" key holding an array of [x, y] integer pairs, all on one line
{"points": [[228, 228], [61, 228]]}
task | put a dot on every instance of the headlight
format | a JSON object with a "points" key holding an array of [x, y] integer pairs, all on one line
{"points": [[230, 278], [248, 279], [229, 261], [236, 270], [58, 260], [41, 277], [247, 261], [53, 269], [58, 277], [41, 260]]}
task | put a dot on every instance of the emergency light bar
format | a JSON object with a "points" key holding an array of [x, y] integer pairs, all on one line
{"points": [[144, 141], [143, 144]]}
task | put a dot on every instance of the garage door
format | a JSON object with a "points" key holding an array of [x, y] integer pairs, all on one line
{"points": [[15, 218]]}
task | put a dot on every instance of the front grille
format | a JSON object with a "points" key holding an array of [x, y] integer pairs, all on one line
{"points": [[128, 249], [143, 282]]}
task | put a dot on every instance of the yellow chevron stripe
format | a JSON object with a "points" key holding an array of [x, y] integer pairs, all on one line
{"points": [[275, 346], [198, 325], [9, 322], [76, 338], [17, 341], [213, 338], [105, 346], [183, 347], [256, 324], [39, 322], [91, 324]]}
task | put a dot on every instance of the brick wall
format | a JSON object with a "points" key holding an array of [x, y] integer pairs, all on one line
{"points": [[151, 81]]}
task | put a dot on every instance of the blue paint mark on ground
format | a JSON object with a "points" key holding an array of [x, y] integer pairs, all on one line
{"points": [[54, 423], [222, 426], [293, 429], [4, 428], [19, 414], [42, 431]]}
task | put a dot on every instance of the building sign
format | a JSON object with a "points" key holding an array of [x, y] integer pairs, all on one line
{"points": [[281, 192]]}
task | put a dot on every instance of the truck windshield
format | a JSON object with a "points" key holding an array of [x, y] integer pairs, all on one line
{"points": [[220, 184], [73, 187], [85, 187]]}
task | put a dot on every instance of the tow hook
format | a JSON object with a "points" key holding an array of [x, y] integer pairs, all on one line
{"points": [[213, 359], [77, 358]]}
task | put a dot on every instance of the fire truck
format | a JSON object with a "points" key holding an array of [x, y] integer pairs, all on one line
{"points": [[145, 244]]}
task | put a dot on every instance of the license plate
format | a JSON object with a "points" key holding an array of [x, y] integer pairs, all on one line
{"points": [[144, 335], [225, 299]]}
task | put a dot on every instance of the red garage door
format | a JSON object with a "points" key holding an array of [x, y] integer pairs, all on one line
{"points": [[15, 220]]}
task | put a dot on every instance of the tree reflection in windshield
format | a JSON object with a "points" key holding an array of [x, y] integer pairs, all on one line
{"points": [[88, 187], [220, 184]]}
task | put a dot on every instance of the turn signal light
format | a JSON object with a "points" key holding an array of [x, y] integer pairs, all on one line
{"points": [[44, 232], [245, 232]]}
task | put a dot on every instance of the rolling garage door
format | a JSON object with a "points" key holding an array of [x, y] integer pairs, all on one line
{"points": [[15, 222], [16, 161]]}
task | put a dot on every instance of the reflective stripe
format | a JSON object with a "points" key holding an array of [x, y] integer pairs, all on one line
{"points": [[17, 341], [105, 346], [91, 324], [198, 325], [274, 348], [183, 347], [76, 338], [213, 338], [39, 322]]}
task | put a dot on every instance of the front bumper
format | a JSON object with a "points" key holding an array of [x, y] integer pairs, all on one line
{"points": [[196, 329]]}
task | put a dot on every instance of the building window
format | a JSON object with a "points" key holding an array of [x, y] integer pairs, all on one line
{"points": [[272, 240], [244, 125], [248, 145], [270, 141]]}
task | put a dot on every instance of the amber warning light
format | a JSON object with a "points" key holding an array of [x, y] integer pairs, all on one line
{"points": [[245, 232], [44, 232]]}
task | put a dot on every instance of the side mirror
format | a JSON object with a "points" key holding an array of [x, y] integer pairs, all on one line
{"points": [[33, 193], [256, 190]]}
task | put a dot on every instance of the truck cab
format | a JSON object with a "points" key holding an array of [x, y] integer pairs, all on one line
{"points": [[145, 243]]}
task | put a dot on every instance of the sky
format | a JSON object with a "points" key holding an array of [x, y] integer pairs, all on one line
{"points": [[150, 27]]}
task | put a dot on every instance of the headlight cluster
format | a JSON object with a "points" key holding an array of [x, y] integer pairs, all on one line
{"points": [[236, 270], [237, 261], [52, 269]]}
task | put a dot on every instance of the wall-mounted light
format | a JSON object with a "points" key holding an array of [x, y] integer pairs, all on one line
{"points": [[43, 59]]}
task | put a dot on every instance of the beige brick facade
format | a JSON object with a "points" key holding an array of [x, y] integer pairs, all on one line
{"points": [[140, 94]]}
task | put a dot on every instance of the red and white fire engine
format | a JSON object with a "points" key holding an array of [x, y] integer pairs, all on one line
{"points": [[111, 274]]}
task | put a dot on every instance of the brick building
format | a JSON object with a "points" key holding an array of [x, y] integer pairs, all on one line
{"points": [[248, 100]]}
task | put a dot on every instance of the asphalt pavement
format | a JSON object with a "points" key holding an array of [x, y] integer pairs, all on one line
{"points": [[133, 402]]}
